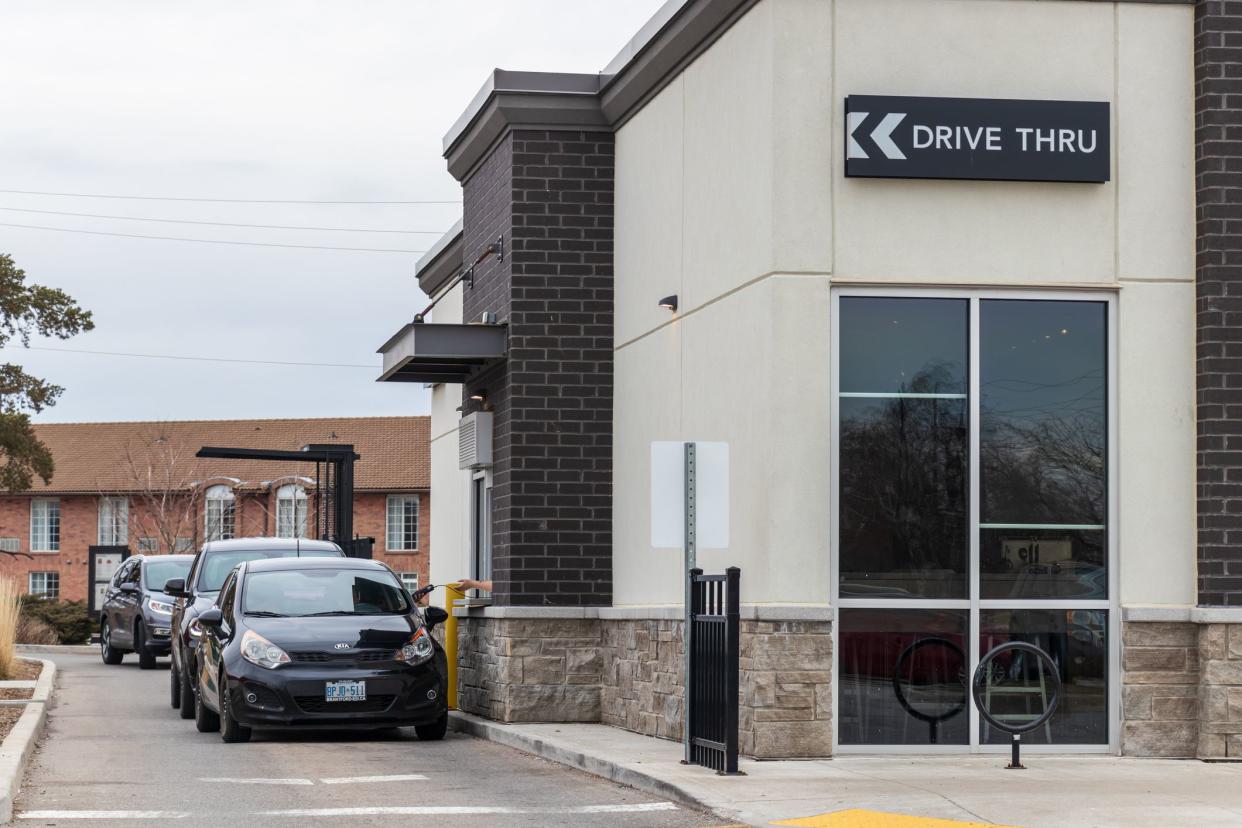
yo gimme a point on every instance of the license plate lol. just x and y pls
(346, 691)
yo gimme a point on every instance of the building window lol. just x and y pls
(972, 448)
(481, 529)
(149, 545)
(402, 533)
(220, 513)
(45, 585)
(184, 546)
(45, 526)
(113, 521)
(10, 544)
(409, 580)
(291, 512)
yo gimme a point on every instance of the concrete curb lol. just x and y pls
(17, 747)
(69, 649)
(594, 764)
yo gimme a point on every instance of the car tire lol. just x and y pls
(174, 686)
(433, 732)
(146, 660)
(187, 693)
(230, 731)
(107, 652)
(205, 721)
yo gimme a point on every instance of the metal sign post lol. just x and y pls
(689, 564)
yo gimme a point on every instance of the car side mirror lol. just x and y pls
(434, 615)
(211, 618)
(175, 587)
(129, 587)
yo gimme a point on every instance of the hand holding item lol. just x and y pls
(470, 583)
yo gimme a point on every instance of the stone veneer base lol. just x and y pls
(619, 668)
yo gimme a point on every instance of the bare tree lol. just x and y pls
(164, 480)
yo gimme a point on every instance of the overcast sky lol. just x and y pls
(235, 99)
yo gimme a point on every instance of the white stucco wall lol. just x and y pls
(731, 194)
(450, 486)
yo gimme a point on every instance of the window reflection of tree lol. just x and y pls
(903, 473)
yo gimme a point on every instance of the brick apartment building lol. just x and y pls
(139, 486)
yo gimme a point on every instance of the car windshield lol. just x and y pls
(158, 573)
(218, 565)
(323, 592)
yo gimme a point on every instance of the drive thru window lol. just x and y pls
(972, 503)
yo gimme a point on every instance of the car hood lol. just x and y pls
(326, 632)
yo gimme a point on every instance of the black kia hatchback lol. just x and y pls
(318, 643)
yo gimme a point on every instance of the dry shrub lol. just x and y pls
(31, 630)
(10, 612)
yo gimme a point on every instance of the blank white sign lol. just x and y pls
(668, 492)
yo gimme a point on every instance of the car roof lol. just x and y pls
(178, 558)
(290, 564)
(241, 544)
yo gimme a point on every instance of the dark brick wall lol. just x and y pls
(1218, 171)
(552, 486)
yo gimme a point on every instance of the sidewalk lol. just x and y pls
(1055, 791)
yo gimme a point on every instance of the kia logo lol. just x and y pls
(342, 646)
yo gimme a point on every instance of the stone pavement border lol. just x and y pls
(17, 747)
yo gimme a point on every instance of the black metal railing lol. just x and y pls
(714, 639)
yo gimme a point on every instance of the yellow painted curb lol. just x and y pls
(858, 818)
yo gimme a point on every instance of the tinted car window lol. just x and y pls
(122, 573)
(324, 592)
(226, 596)
(161, 572)
(216, 566)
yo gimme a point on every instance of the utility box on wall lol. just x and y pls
(474, 441)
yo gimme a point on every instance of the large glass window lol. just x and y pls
(45, 525)
(972, 468)
(1043, 449)
(45, 585)
(903, 448)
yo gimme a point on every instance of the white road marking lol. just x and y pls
(103, 815)
(470, 810)
(394, 810)
(359, 780)
(228, 780)
(638, 807)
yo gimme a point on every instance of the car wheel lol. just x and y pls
(110, 654)
(435, 731)
(146, 660)
(186, 696)
(174, 686)
(230, 730)
(205, 721)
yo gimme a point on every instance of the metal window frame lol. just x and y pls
(974, 603)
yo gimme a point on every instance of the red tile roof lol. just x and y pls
(96, 457)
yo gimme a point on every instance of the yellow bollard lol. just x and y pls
(451, 595)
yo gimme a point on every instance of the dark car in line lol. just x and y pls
(319, 643)
(136, 615)
(198, 590)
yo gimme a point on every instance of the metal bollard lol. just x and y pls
(451, 596)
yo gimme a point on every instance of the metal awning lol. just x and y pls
(428, 352)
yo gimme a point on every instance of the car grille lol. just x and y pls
(361, 657)
(373, 704)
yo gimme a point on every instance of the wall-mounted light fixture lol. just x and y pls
(479, 396)
(669, 303)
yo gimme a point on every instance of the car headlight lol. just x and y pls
(196, 629)
(162, 607)
(258, 650)
(418, 649)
